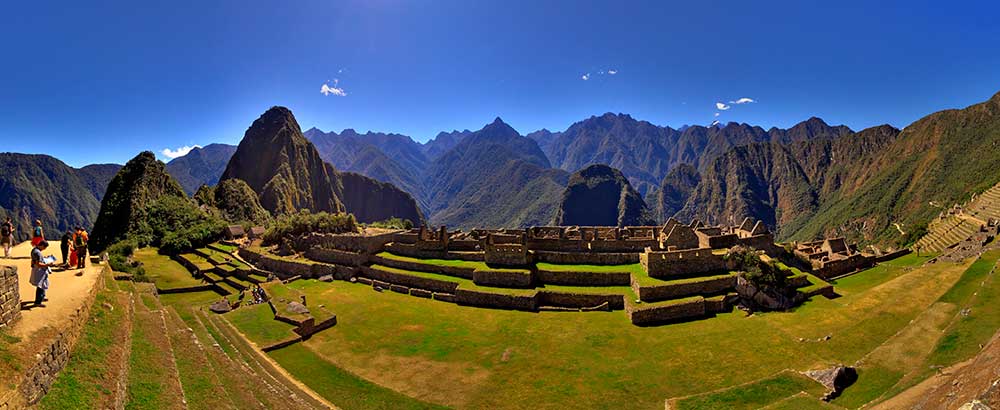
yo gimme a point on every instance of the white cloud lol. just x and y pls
(585, 77)
(179, 152)
(716, 114)
(612, 71)
(721, 106)
(327, 89)
(743, 100)
(714, 123)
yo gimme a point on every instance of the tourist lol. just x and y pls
(7, 236)
(80, 246)
(38, 235)
(64, 245)
(40, 272)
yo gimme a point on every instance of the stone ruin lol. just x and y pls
(833, 257)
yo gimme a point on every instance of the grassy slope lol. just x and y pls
(483, 358)
(165, 272)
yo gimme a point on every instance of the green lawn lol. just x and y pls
(754, 395)
(258, 324)
(346, 390)
(390, 350)
(447, 262)
(165, 272)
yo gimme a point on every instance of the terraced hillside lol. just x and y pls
(958, 225)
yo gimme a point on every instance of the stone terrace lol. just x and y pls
(656, 273)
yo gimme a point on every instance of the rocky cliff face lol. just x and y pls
(599, 195)
(675, 190)
(140, 182)
(284, 168)
(277, 161)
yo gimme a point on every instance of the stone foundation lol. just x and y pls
(672, 312)
(584, 278)
(697, 286)
(502, 278)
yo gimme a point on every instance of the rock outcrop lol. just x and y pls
(143, 180)
(599, 195)
(286, 171)
(201, 166)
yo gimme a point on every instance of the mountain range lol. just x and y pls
(880, 185)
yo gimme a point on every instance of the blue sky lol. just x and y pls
(92, 82)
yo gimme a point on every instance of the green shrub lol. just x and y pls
(177, 225)
(291, 225)
(393, 223)
(120, 259)
(763, 275)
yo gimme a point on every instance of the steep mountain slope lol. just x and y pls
(235, 200)
(645, 153)
(465, 180)
(599, 195)
(391, 158)
(97, 177)
(285, 169)
(443, 142)
(781, 184)
(201, 166)
(675, 190)
(141, 181)
(42, 187)
(940, 159)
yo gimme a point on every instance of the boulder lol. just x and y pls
(221, 306)
(296, 307)
(836, 379)
(326, 278)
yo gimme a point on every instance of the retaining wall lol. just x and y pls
(580, 300)
(502, 278)
(414, 252)
(52, 357)
(10, 297)
(678, 290)
(456, 271)
(584, 278)
(355, 243)
(672, 264)
(434, 285)
(689, 309)
(495, 300)
(336, 256)
(587, 258)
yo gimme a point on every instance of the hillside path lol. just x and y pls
(67, 292)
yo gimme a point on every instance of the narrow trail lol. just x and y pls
(68, 290)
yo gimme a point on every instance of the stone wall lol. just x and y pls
(526, 302)
(337, 256)
(414, 252)
(456, 271)
(580, 300)
(505, 278)
(10, 298)
(587, 258)
(285, 268)
(838, 267)
(434, 285)
(584, 278)
(699, 286)
(672, 312)
(348, 242)
(673, 264)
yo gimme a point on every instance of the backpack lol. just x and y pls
(5, 230)
(79, 240)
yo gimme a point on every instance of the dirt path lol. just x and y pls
(67, 291)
